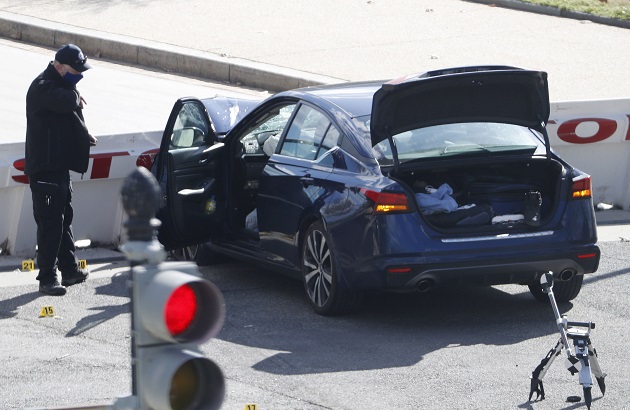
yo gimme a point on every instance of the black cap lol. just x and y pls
(73, 56)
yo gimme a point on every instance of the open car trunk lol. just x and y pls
(489, 197)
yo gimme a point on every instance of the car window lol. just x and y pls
(481, 138)
(310, 135)
(331, 139)
(190, 128)
(264, 134)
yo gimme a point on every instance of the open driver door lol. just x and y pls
(189, 168)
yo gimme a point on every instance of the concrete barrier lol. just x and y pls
(591, 135)
(96, 197)
(595, 137)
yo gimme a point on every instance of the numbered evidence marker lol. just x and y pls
(251, 406)
(28, 265)
(82, 263)
(47, 311)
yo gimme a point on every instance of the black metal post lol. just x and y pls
(140, 194)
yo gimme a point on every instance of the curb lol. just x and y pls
(166, 57)
(554, 11)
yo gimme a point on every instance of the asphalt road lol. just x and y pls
(454, 349)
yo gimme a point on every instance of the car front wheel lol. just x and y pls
(200, 254)
(326, 295)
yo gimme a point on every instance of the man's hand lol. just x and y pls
(82, 103)
(93, 140)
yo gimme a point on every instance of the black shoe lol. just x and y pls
(78, 276)
(53, 289)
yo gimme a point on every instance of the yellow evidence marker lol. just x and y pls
(251, 406)
(28, 265)
(47, 311)
(82, 263)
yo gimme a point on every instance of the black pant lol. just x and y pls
(52, 209)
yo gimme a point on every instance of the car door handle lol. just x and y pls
(205, 189)
(307, 181)
(203, 161)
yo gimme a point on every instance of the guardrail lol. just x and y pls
(591, 135)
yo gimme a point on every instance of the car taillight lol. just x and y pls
(582, 187)
(386, 202)
(587, 255)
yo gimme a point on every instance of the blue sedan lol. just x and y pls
(444, 178)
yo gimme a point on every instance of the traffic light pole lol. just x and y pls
(173, 310)
(140, 195)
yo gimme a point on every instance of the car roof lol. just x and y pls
(224, 111)
(355, 98)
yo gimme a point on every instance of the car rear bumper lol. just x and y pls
(419, 273)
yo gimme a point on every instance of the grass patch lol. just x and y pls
(617, 9)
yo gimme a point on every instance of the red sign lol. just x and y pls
(101, 165)
(606, 128)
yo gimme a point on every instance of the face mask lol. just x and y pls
(72, 78)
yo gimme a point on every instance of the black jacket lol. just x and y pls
(56, 135)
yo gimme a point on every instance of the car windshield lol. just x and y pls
(461, 139)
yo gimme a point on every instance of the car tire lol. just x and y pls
(326, 294)
(200, 254)
(564, 291)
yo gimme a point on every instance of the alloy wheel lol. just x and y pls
(188, 253)
(318, 268)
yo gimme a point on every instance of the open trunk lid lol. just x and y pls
(498, 94)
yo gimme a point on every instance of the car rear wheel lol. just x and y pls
(564, 291)
(325, 293)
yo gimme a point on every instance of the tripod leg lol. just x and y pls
(588, 397)
(597, 371)
(583, 365)
(540, 371)
(584, 368)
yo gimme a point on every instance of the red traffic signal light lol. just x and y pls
(174, 304)
(175, 310)
(181, 309)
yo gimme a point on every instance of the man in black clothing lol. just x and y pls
(57, 142)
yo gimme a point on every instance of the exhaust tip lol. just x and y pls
(424, 285)
(566, 275)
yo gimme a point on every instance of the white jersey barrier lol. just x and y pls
(98, 212)
(591, 135)
(594, 136)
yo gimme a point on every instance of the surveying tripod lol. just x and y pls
(582, 362)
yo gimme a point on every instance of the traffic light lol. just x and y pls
(174, 310)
